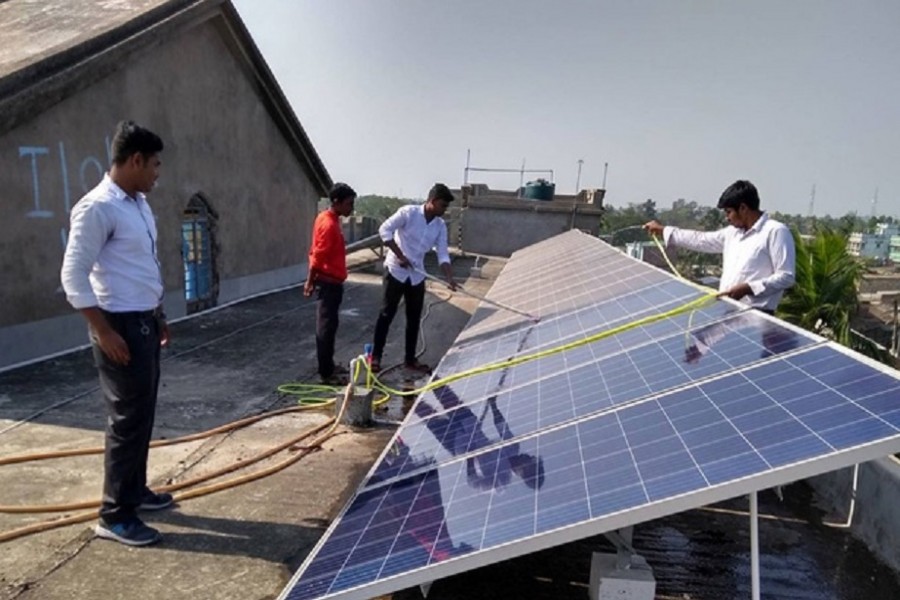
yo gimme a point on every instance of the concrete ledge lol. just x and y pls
(239, 288)
(38, 340)
(877, 519)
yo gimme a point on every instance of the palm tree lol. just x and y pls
(824, 297)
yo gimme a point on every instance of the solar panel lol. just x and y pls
(682, 412)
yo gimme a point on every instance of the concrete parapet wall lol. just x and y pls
(877, 518)
(500, 227)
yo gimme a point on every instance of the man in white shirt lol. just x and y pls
(111, 274)
(757, 251)
(409, 233)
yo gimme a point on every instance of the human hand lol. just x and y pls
(654, 228)
(164, 335)
(308, 287)
(737, 292)
(113, 346)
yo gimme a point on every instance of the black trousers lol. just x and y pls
(414, 296)
(130, 394)
(329, 297)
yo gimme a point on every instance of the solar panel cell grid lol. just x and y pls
(617, 431)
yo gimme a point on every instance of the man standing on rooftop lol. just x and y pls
(111, 274)
(757, 251)
(409, 233)
(327, 273)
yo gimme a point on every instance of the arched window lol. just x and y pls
(198, 251)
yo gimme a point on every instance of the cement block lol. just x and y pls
(609, 582)
(359, 407)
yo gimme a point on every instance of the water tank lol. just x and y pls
(539, 190)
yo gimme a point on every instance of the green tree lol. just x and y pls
(824, 297)
(682, 214)
(624, 224)
(378, 207)
(713, 219)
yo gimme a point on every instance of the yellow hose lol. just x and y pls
(310, 397)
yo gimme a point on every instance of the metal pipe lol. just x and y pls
(466, 170)
(895, 343)
(754, 546)
(486, 170)
(500, 305)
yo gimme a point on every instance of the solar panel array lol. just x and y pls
(688, 410)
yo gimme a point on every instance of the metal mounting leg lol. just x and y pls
(621, 539)
(754, 546)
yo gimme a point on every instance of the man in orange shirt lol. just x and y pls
(327, 272)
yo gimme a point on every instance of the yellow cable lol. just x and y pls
(662, 250)
(327, 399)
(511, 362)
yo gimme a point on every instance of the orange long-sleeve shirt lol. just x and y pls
(327, 255)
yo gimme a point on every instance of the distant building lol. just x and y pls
(499, 222)
(894, 249)
(240, 179)
(875, 245)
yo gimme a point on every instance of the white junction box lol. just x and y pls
(611, 580)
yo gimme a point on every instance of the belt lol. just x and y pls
(155, 313)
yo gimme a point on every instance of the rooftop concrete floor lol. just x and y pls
(245, 542)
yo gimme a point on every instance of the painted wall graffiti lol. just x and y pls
(45, 203)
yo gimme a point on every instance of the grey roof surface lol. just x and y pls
(53, 49)
(33, 30)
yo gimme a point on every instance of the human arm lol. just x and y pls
(443, 254)
(393, 247)
(89, 231)
(711, 242)
(388, 228)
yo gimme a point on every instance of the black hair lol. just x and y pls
(439, 191)
(740, 192)
(131, 138)
(340, 192)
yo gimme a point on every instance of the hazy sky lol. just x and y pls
(680, 98)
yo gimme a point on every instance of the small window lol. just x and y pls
(198, 251)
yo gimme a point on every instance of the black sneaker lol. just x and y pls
(340, 370)
(159, 501)
(418, 367)
(132, 532)
(335, 380)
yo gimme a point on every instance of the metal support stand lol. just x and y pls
(754, 546)
(623, 576)
(621, 539)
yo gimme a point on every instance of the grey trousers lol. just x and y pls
(130, 394)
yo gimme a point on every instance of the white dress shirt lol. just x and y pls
(415, 236)
(762, 256)
(110, 260)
